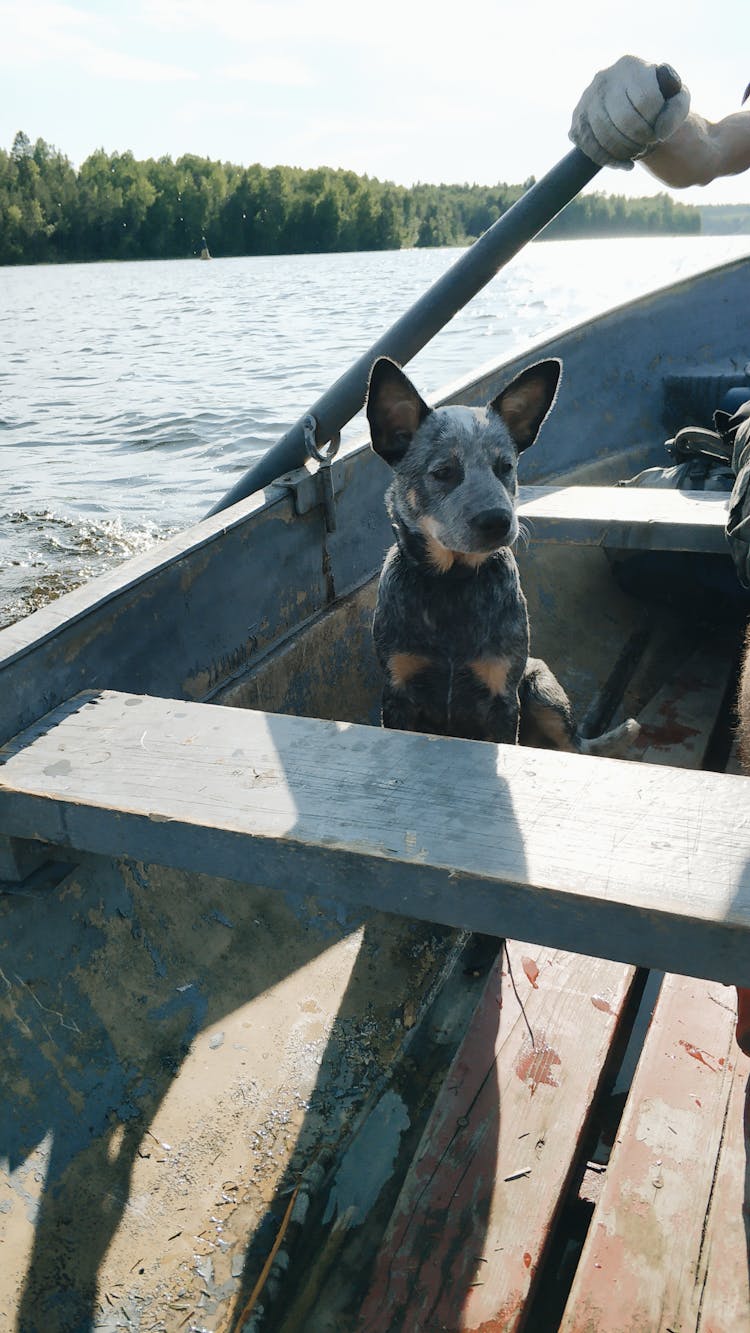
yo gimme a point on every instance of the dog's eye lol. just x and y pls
(502, 468)
(446, 472)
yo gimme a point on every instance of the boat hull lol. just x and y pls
(192, 1059)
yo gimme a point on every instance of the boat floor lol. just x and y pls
(228, 1100)
(556, 1184)
(480, 1149)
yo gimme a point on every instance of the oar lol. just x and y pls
(475, 268)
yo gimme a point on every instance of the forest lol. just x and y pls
(116, 207)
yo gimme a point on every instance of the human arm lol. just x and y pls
(701, 151)
(623, 114)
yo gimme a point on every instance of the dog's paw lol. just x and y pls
(613, 744)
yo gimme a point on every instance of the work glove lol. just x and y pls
(623, 113)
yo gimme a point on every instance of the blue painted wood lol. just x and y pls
(632, 862)
(638, 518)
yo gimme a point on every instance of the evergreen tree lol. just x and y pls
(116, 207)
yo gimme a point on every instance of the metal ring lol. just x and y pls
(326, 455)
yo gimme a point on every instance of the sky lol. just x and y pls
(404, 90)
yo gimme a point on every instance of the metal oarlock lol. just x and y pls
(324, 458)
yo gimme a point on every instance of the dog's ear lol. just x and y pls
(528, 398)
(395, 410)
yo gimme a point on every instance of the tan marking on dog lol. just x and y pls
(411, 497)
(402, 667)
(399, 413)
(492, 672)
(438, 555)
(441, 557)
(473, 559)
(545, 729)
(522, 405)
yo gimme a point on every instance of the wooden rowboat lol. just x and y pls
(263, 1064)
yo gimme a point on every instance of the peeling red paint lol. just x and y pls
(531, 970)
(699, 1055)
(662, 735)
(536, 1067)
(506, 1319)
(527, 1259)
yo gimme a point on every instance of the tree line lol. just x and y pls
(116, 207)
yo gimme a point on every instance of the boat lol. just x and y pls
(266, 1061)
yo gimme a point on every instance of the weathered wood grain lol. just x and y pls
(669, 1227)
(677, 723)
(502, 1096)
(677, 726)
(627, 518)
(628, 861)
(472, 1221)
(726, 1296)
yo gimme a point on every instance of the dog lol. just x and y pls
(451, 627)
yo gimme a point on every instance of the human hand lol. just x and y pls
(624, 112)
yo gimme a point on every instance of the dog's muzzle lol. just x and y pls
(492, 527)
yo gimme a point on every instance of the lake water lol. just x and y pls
(133, 395)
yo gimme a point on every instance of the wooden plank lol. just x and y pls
(626, 517)
(677, 722)
(629, 861)
(661, 1222)
(726, 1296)
(676, 728)
(499, 1149)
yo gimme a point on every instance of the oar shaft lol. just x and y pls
(475, 268)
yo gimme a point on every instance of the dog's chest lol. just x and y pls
(454, 646)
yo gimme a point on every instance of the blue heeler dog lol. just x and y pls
(451, 627)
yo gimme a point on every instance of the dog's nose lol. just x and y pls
(492, 524)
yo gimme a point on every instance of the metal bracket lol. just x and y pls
(311, 490)
(324, 477)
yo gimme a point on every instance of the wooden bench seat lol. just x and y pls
(209, 787)
(627, 517)
(634, 862)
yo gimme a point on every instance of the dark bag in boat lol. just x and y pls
(704, 460)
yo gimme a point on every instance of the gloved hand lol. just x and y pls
(623, 113)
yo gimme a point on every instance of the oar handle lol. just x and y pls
(669, 81)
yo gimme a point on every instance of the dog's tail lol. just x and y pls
(613, 743)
